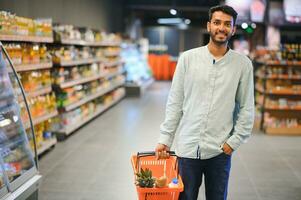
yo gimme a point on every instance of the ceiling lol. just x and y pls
(148, 11)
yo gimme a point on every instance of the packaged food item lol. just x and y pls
(174, 183)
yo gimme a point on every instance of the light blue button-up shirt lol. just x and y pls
(202, 101)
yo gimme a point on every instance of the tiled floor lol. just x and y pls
(94, 163)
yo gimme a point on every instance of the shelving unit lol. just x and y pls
(37, 66)
(40, 119)
(71, 128)
(46, 145)
(21, 38)
(77, 94)
(72, 63)
(278, 97)
(91, 97)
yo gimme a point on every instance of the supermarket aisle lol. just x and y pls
(94, 163)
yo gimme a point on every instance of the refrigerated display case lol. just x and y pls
(19, 176)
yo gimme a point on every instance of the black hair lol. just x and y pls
(225, 9)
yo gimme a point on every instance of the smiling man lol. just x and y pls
(211, 107)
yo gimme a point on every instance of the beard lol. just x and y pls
(215, 37)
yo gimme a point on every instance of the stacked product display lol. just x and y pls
(139, 75)
(278, 90)
(62, 68)
(26, 43)
(88, 75)
(15, 28)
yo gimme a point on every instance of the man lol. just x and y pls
(208, 84)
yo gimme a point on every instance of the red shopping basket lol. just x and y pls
(148, 160)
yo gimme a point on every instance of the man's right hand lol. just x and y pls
(161, 151)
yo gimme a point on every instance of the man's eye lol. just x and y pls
(228, 25)
(215, 23)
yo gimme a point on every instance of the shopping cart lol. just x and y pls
(168, 166)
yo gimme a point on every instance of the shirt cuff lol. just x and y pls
(234, 142)
(166, 140)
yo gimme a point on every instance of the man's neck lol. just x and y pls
(217, 51)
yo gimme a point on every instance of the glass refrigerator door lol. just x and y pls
(17, 160)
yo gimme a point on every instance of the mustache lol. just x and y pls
(222, 32)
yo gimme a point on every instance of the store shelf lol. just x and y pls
(21, 38)
(283, 77)
(283, 131)
(277, 108)
(112, 54)
(28, 67)
(47, 144)
(278, 92)
(108, 44)
(78, 62)
(40, 119)
(91, 97)
(85, 43)
(80, 81)
(112, 64)
(69, 129)
(39, 92)
(110, 75)
(282, 63)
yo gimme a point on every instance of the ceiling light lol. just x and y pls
(244, 25)
(173, 11)
(187, 21)
(170, 20)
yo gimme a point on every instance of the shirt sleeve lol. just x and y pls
(245, 119)
(174, 105)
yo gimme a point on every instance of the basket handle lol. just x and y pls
(153, 153)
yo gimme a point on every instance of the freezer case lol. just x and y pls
(18, 172)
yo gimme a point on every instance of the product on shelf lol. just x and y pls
(35, 80)
(274, 122)
(285, 54)
(63, 74)
(39, 106)
(73, 94)
(89, 109)
(11, 24)
(69, 32)
(22, 53)
(278, 89)
(44, 131)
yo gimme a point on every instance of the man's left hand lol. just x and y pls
(227, 149)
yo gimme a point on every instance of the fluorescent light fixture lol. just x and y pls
(244, 25)
(170, 20)
(173, 11)
(187, 21)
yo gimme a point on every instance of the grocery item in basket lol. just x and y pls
(161, 182)
(145, 179)
(174, 183)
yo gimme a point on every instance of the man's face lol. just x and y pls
(221, 27)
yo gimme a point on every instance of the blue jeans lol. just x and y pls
(216, 171)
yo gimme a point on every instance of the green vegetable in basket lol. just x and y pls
(145, 179)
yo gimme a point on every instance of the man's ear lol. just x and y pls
(208, 26)
(234, 30)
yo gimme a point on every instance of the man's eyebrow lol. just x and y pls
(219, 20)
